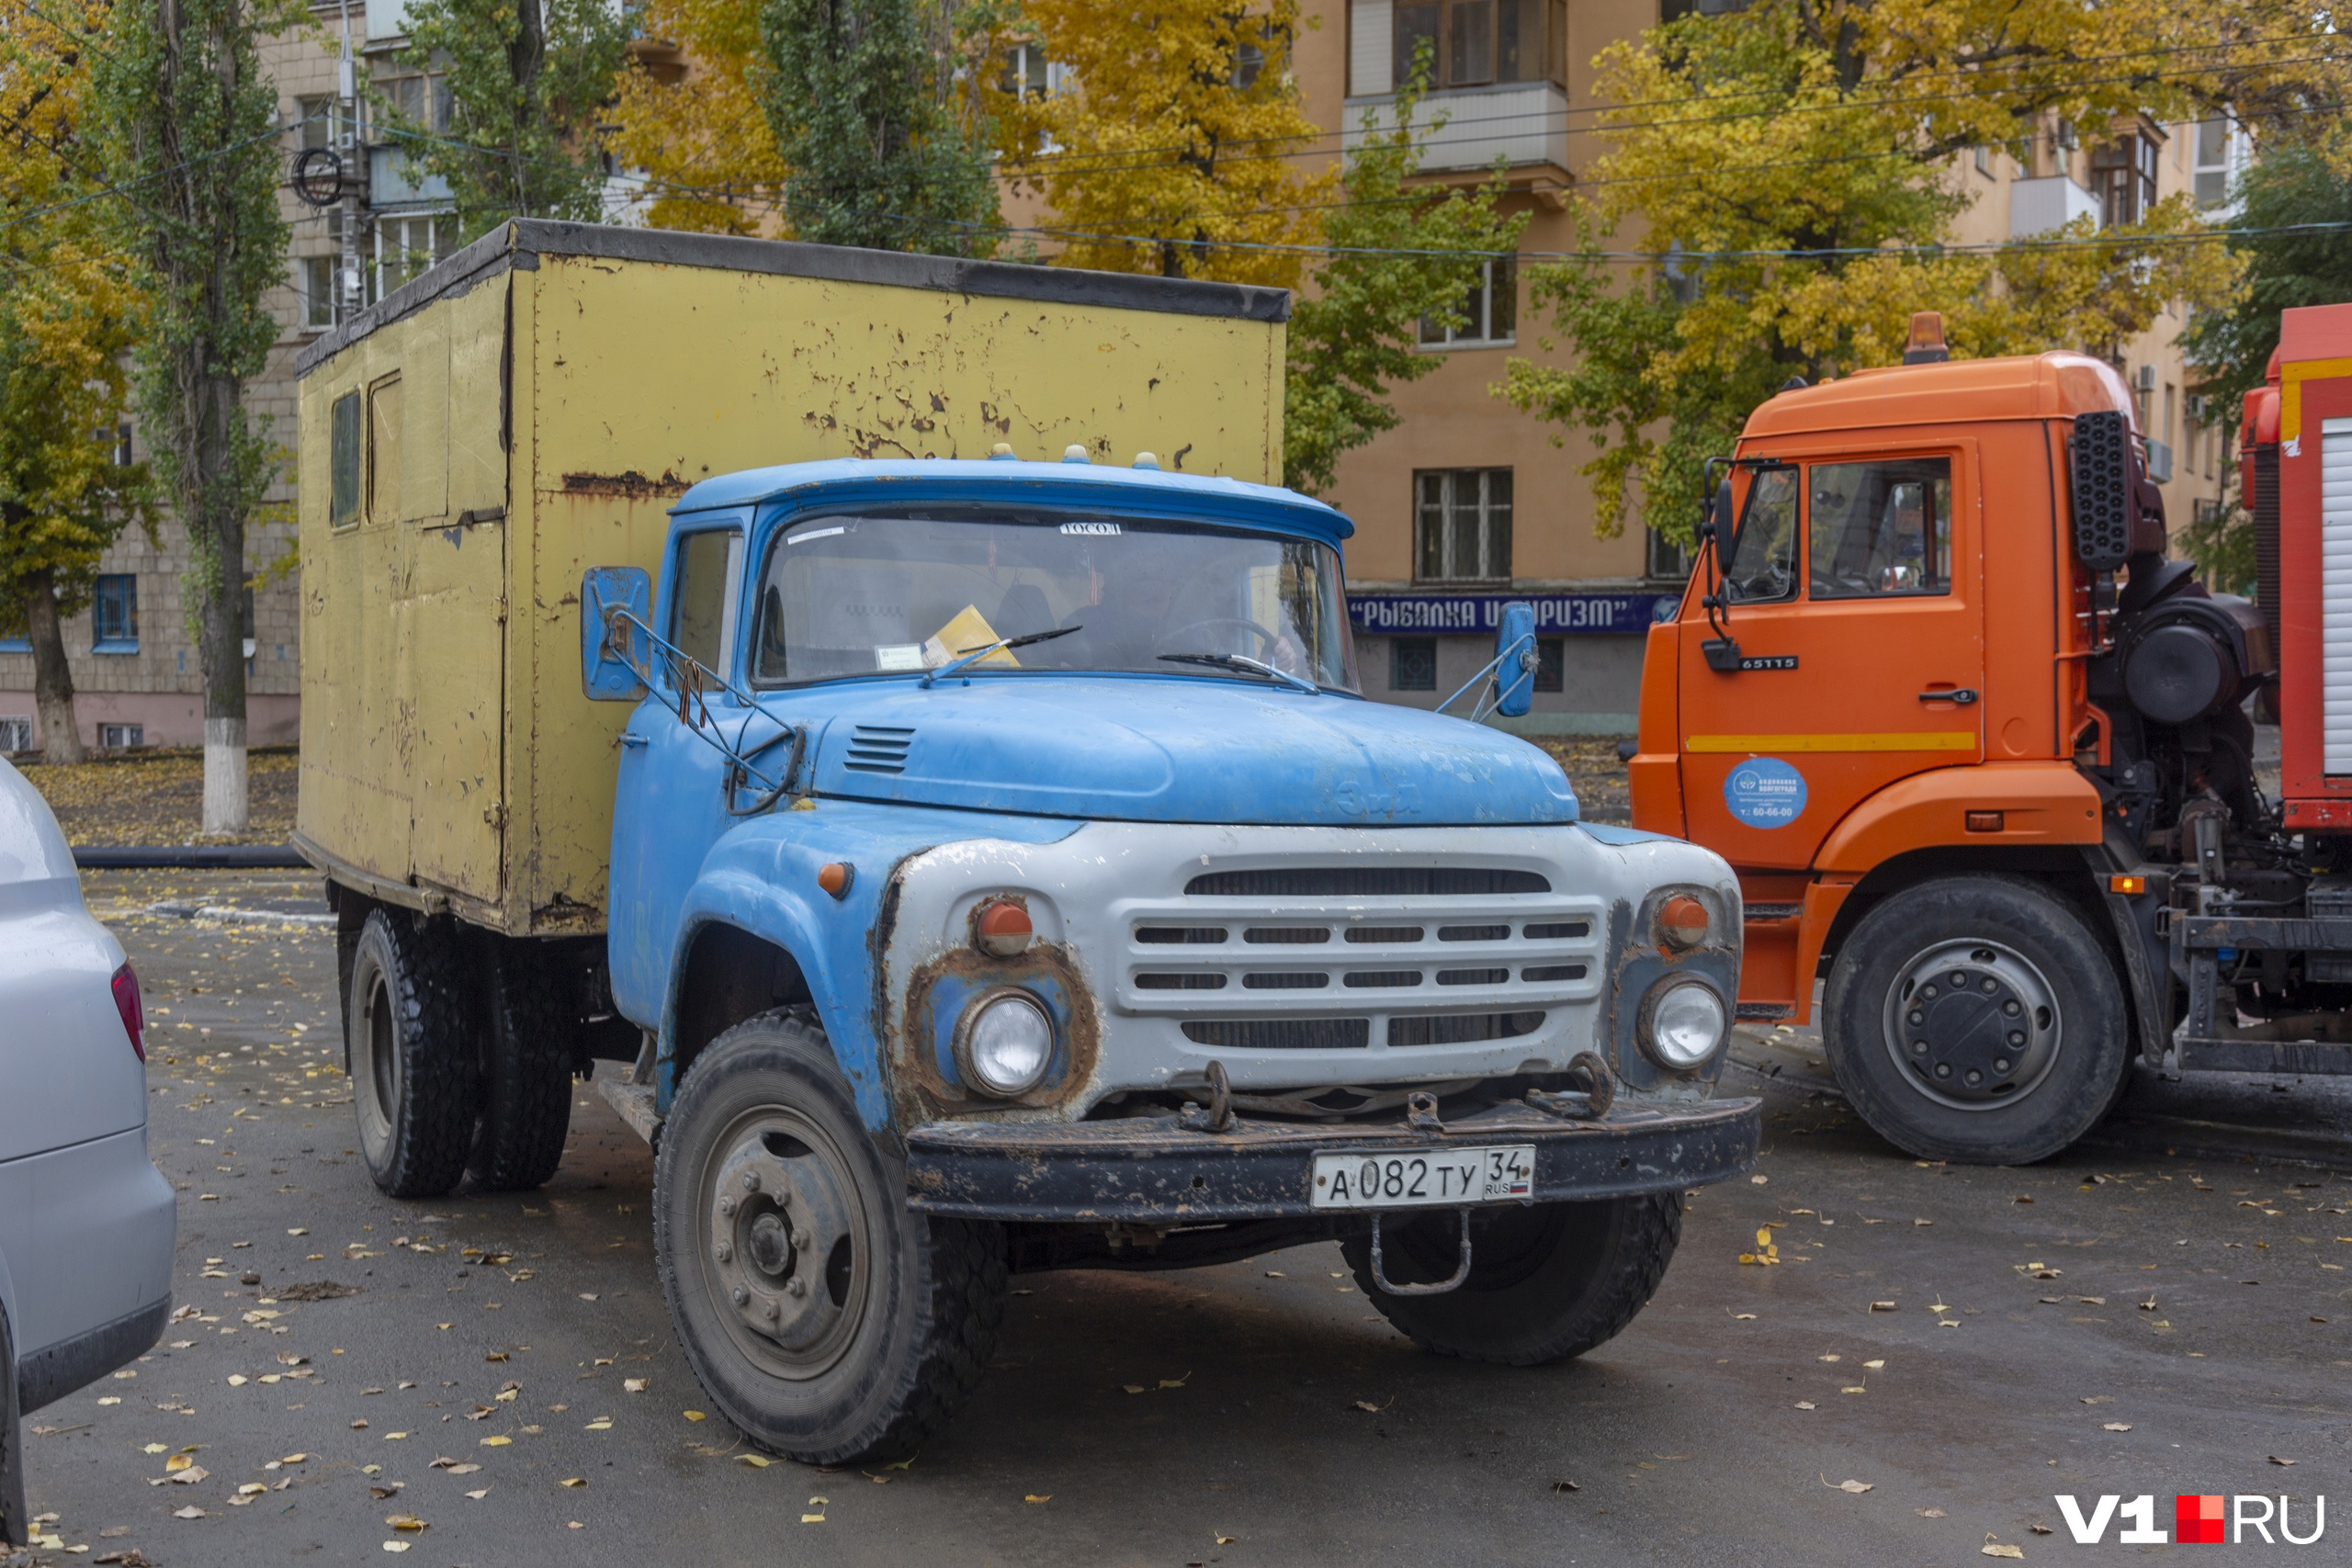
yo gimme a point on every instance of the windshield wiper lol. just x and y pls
(973, 656)
(1237, 662)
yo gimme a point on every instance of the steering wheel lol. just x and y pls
(1269, 640)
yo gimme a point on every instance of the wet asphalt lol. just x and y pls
(2166, 1309)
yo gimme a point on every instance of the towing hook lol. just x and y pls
(1219, 1118)
(1421, 1112)
(1593, 1104)
(1461, 1270)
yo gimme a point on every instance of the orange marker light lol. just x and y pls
(1003, 928)
(1682, 922)
(2127, 885)
(835, 878)
(1986, 821)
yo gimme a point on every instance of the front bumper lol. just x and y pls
(1149, 1171)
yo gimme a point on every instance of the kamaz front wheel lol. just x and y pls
(823, 1317)
(1976, 1019)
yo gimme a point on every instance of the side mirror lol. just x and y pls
(1723, 526)
(1516, 659)
(605, 676)
(2102, 492)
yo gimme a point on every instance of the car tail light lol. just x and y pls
(134, 1013)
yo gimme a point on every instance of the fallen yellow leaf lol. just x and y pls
(496, 1442)
(1995, 1547)
(694, 1416)
(757, 1461)
(1034, 1497)
(576, 1480)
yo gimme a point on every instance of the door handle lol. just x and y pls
(1963, 695)
(632, 740)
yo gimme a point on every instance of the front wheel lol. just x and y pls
(1976, 1019)
(1546, 1281)
(823, 1317)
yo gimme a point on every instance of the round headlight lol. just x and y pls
(1683, 1025)
(1005, 1044)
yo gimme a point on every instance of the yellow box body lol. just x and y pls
(533, 406)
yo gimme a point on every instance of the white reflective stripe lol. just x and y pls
(727, 605)
(2335, 592)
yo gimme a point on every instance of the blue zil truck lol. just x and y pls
(1006, 874)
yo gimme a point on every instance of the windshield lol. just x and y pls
(877, 593)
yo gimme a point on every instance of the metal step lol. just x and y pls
(634, 1104)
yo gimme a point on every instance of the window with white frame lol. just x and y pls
(2210, 174)
(1462, 524)
(316, 284)
(407, 245)
(1490, 310)
(1028, 73)
(1474, 43)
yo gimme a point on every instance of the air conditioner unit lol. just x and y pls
(2146, 379)
(2196, 405)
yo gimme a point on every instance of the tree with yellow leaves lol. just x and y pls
(689, 114)
(65, 320)
(1789, 168)
(1175, 143)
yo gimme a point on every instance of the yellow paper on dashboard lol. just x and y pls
(967, 632)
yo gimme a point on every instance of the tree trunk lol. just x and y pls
(61, 732)
(221, 625)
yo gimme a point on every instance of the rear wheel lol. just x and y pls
(822, 1316)
(525, 1072)
(1546, 1281)
(413, 1077)
(1976, 1019)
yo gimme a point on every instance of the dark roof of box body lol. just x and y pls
(519, 242)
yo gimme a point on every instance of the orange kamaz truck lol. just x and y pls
(1981, 753)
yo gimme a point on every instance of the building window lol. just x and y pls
(318, 291)
(1462, 524)
(1551, 663)
(1412, 664)
(406, 246)
(1668, 562)
(314, 122)
(2123, 179)
(342, 461)
(421, 103)
(114, 614)
(1490, 310)
(1475, 42)
(16, 733)
(121, 736)
(2212, 175)
(122, 446)
(1027, 74)
(1984, 162)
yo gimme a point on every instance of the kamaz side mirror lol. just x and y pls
(2103, 492)
(606, 675)
(1723, 526)
(1516, 658)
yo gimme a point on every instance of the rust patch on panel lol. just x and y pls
(929, 1095)
(629, 483)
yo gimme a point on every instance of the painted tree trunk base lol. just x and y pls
(224, 776)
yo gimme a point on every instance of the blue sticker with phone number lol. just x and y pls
(1764, 792)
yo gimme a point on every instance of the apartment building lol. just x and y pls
(136, 676)
(1468, 504)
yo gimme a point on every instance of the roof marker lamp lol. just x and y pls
(1003, 1044)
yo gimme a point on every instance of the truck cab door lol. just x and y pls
(1855, 594)
(669, 806)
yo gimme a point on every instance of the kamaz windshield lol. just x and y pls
(878, 593)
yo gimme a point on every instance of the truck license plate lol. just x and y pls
(1436, 1175)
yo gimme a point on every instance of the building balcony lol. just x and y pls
(1524, 123)
(2036, 207)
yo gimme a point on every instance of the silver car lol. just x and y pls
(86, 1220)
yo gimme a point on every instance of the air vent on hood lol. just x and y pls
(878, 749)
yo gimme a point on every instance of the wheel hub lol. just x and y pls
(785, 1244)
(1973, 1024)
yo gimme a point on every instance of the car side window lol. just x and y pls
(702, 611)
(1763, 563)
(1880, 529)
